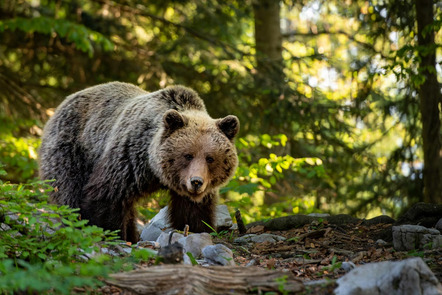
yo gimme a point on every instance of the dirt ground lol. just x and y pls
(316, 252)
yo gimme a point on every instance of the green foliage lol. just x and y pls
(18, 153)
(282, 281)
(214, 232)
(346, 100)
(143, 254)
(259, 175)
(192, 259)
(82, 37)
(46, 248)
(333, 266)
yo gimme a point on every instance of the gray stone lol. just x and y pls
(146, 244)
(252, 263)
(431, 242)
(439, 225)
(348, 266)
(381, 242)
(194, 243)
(163, 239)
(410, 276)
(222, 217)
(160, 223)
(156, 226)
(253, 238)
(139, 225)
(408, 237)
(218, 255)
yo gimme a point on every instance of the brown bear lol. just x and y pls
(109, 145)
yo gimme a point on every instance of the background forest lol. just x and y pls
(339, 101)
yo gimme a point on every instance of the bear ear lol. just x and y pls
(229, 126)
(173, 121)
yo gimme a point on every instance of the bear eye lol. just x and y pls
(209, 160)
(188, 157)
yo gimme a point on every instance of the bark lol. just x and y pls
(268, 40)
(430, 100)
(187, 279)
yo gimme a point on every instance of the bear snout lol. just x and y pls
(196, 185)
(196, 182)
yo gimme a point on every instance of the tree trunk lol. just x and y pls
(187, 279)
(268, 40)
(430, 99)
(269, 77)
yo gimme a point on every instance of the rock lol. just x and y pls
(163, 239)
(194, 243)
(139, 225)
(431, 241)
(218, 255)
(147, 244)
(172, 253)
(156, 226)
(252, 238)
(410, 276)
(160, 223)
(222, 217)
(117, 250)
(252, 263)
(423, 214)
(234, 227)
(439, 225)
(408, 237)
(348, 266)
(381, 242)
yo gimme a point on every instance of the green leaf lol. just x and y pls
(192, 259)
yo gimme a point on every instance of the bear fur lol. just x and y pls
(109, 145)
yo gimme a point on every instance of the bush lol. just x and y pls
(18, 149)
(257, 176)
(43, 247)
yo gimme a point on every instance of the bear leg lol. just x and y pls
(129, 230)
(184, 211)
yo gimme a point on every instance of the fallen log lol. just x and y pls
(187, 279)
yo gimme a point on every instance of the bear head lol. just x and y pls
(195, 154)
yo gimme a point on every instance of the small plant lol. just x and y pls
(333, 266)
(294, 239)
(192, 259)
(416, 253)
(282, 281)
(214, 233)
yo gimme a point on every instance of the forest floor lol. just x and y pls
(316, 252)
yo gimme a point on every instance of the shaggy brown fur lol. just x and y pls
(109, 145)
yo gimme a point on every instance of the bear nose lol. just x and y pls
(196, 182)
